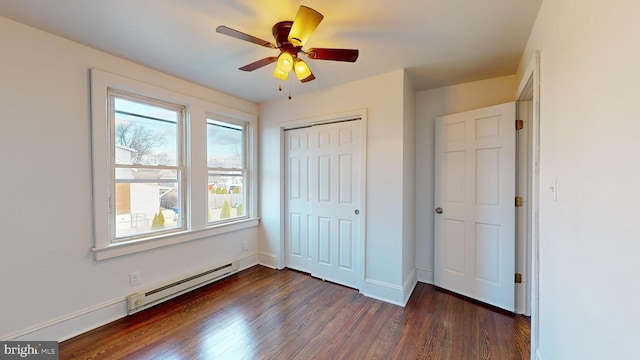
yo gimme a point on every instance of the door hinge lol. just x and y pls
(518, 201)
(518, 278)
(519, 124)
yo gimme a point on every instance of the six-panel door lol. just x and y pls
(323, 198)
(475, 188)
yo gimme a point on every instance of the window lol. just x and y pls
(226, 170)
(167, 167)
(147, 165)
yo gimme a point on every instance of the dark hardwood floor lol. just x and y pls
(262, 313)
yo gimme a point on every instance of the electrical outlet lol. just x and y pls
(245, 245)
(135, 278)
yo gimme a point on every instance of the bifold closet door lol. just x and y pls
(323, 177)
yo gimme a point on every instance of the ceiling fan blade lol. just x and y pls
(350, 55)
(242, 36)
(304, 24)
(260, 63)
(307, 79)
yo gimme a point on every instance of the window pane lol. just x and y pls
(145, 134)
(225, 146)
(226, 195)
(146, 204)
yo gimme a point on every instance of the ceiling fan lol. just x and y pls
(290, 37)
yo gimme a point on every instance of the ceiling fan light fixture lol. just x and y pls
(306, 21)
(302, 71)
(285, 62)
(290, 37)
(278, 74)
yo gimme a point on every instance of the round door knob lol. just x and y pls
(439, 210)
(357, 212)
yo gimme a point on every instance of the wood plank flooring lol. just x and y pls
(261, 313)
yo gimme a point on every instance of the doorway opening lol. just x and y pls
(528, 186)
(524, 113)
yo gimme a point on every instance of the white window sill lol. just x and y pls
(126, 248)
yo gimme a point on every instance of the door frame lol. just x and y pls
(321, 120)
(530, 81)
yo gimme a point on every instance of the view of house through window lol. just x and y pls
(147, 165)
(226, 163)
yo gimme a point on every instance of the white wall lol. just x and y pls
(431, 104)
(383, 98)
(589, 237)
(52, 288)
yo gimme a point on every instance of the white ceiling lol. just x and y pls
(439, 42)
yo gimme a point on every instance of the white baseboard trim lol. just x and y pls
(408, 287)
(397, 295)
(247, 262)
(383, 291)
(268, 260)
(76, 323)
(425, 275)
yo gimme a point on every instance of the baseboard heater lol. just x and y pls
(150, 297)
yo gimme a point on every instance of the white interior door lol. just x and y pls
(298, 147)
(323, 201)
(474, 197)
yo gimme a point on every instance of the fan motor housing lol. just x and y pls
(281, 35)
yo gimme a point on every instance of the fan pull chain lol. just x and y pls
(289, 90)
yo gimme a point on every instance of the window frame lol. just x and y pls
(195, 174)
(180, 166)
(244, 169)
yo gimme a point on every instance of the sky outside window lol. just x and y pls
(224, 145)
(150, 130)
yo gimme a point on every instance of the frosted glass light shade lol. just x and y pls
(302, 70)
(279, 74)
(285, 62)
